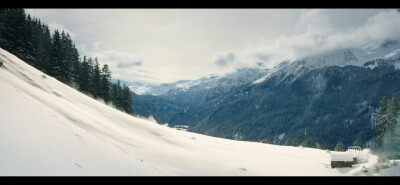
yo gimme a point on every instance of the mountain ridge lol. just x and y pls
(311, 80)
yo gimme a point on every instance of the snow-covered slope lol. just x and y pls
(48, 128)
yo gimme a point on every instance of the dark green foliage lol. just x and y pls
(116, 94)
(105, 83)
(294, 142)
(288, 142)
(387, 141)
(266, 141)
(121, 97)
(339, 147)
(84, 81)
(96, 79)
(358, 142)
(308, 142)
(126, 104)
(383, 120)
(56, 55)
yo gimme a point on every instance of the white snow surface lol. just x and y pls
(48, 128)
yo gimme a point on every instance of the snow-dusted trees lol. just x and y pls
(387, 141)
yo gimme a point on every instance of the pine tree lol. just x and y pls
(396, 138)
(308, 142)
(393, 111)
(96, 79)
(127, 104)
(288, 142)
(313, 144)
(29, 41)
(339, 147)
(358, 142)
(105, 83)
(116, 94)
(84, 76)
(382, 123)
(265, 141)
(68, 57)
(56, 57)
(44, 51)
(294, 143)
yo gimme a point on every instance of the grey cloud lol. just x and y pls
(129, 64)
(226, 59)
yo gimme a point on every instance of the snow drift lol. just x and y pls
(48, 128)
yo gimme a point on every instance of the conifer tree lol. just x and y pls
(358, 142)
(294, 143)
(84, 77)
(393, 111)
(96, 79)
(105, 83)
(127, 104)
(116, 94)
(339, 147)
(56, 57)
(288, 142)
(45, 50)
(383, 122)
(308, 142)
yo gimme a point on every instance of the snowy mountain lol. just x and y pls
(330, 96)
(207, 88)
(338, 57)
(141, 88)
(48, 128)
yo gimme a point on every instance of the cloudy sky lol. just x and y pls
(166, 45)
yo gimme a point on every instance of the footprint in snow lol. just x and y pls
(243, 169)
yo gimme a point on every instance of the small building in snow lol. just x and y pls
(345, 159)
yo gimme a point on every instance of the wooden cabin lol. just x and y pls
(345, 159)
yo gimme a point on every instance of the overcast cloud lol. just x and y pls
(166, 45)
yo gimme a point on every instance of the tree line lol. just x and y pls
(56, 55)
(387, 141)
(309, 142)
